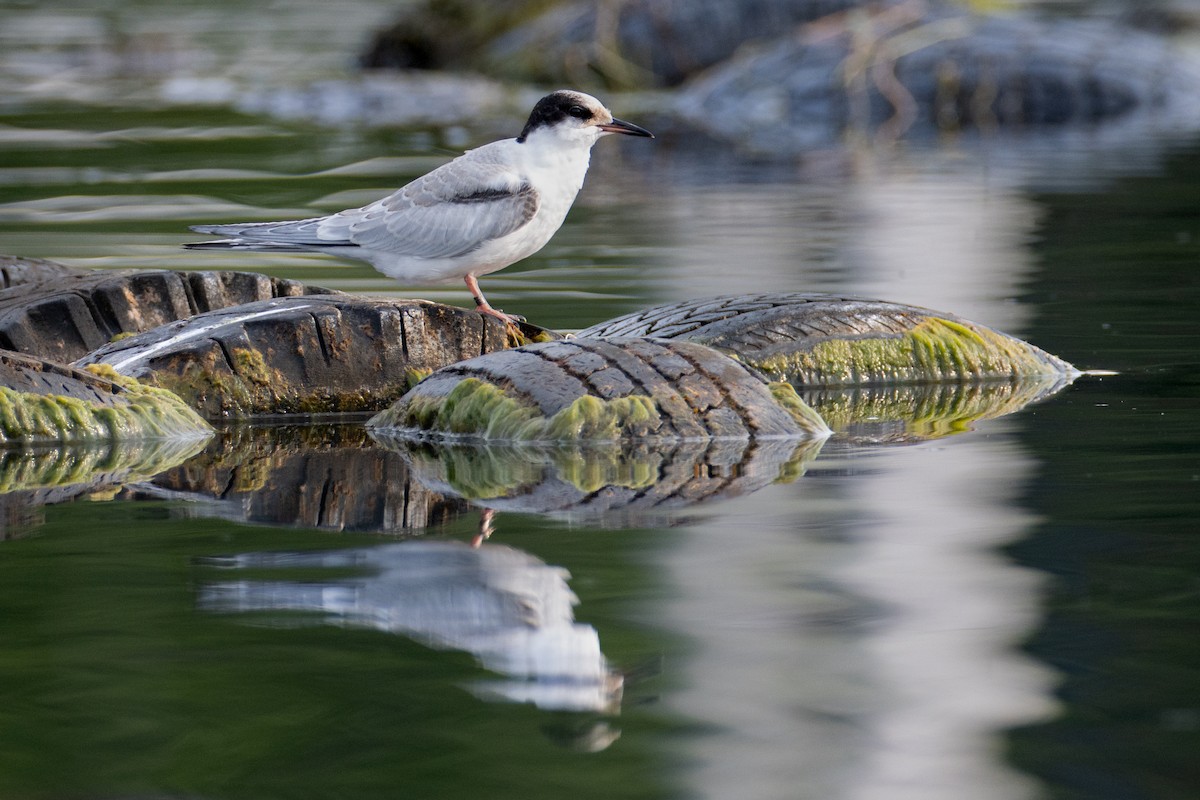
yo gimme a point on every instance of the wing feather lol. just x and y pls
(452, 211)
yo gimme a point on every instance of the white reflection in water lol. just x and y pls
(507, 608)
(946, 236)
(859, 639)
(734, 239)
(945, 659)
(948, 241)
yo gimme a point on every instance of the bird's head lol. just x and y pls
(577, 117)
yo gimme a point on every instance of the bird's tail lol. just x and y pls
(290, 236)
(245, 244)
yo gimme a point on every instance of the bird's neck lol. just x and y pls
(563, 161)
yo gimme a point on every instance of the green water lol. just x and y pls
(115, 684)
(1005, 612)
(1119, 494)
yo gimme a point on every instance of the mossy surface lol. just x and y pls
(216, 392)
(484, 471)
(413, 376)
(208, 384)
(481, 409)
(930, 411)
(515, 337)
(252, 367)
(569, 476)
(805, 416)
(936, 349)
(139, 412)
(99, 463)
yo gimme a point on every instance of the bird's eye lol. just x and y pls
(579, 112)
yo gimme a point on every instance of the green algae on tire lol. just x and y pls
(89, 466)
(914, 412)
(614, 483)
(934, 349)
(601, 390)
(328, 475)
(304, 355)
(823, 340)
(477, 407)
(45, 402)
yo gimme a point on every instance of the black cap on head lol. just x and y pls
(558, 106)
(555, 107)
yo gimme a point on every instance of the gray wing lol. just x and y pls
(449, 212)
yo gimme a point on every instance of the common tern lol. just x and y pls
(487, 209)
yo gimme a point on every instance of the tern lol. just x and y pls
(487, 209)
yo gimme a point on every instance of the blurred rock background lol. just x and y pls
(768, 75)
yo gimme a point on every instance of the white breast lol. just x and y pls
(557, 172)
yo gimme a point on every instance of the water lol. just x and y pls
(1005, 612)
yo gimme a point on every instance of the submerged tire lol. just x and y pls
(327, 477)
(303, 355)
(823, 340)
(69, 316)
(615, 484)
(915, 412)
(17, 271)
(598, 389)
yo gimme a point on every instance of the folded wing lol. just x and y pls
(450, 212)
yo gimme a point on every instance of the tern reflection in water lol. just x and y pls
(511, 611)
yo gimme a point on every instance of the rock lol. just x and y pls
(601, 390)
(41, 401)
(65, 318)
(614, 484)
(304, 355)
(322, 476)
(822, 340)
(627, 44)
(446, 34)
(32, 477)
(908, 71)
(803, 71)
(637, 44)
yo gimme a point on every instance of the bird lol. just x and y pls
(481, 212)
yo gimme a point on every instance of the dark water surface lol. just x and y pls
(1005, 612)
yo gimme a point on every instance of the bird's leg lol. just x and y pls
(483, 307)
(486, 527)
